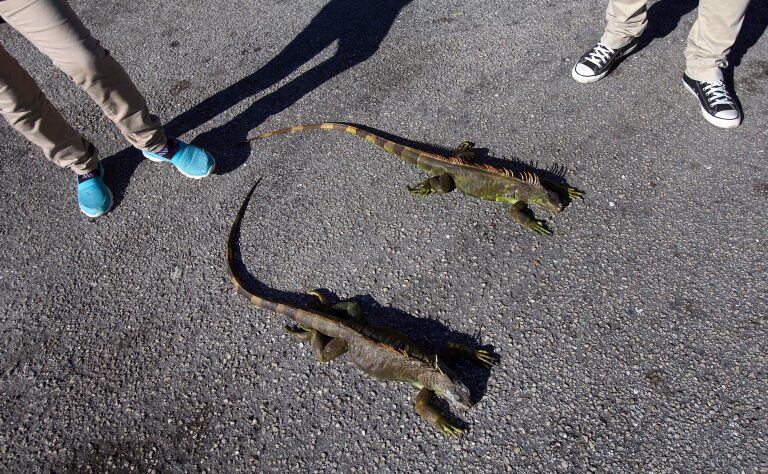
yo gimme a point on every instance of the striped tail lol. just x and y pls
(411, 155)
(257, 300)
(305, 318)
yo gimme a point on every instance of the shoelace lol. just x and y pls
(717, 94)
(600, 54)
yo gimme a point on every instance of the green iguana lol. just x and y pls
(459, 172)
(333, 330)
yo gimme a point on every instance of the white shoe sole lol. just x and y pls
(590, 79)
(210, 171)
(716, 121)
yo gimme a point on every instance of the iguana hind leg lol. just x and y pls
(439, 184)
(346, 309)
(521, 214)
(454, 350)
(325, 348)
(430, 414)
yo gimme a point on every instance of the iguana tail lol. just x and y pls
(259, 301)
(408, 154)
(305, 318)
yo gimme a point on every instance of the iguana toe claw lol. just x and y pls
(319, 297)
(450, 429)
(486, 358)
(574, 193)
(294, 329)
(540, 227)
(465, 145)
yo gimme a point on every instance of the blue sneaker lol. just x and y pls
(93, 196)
(192, 161)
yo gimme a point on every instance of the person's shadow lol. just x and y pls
(755, 24)
(663, 18)
(359, 27)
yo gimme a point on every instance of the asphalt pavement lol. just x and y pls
(632, 340)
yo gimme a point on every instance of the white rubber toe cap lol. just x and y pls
(583, 70)
(728, 115)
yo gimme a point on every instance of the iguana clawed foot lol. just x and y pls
(464, 151)
(486, 358)
(522, 216)
(298, 332)
(320, 298)
(447, 427)
(429, 413)
(539, 227)
(346, 309)
(480, 356)
(574, 193)
(566, 192)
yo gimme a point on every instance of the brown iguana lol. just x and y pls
(385, 354)
(459, 172)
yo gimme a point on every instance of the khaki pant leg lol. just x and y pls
(25, 107)
(54, 28)
(626, 20)
(712, 36)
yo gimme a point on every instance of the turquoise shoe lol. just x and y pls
(93, 196)
(192, 161)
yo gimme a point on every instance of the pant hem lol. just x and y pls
(704, 75)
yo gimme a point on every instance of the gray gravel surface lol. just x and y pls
(632, 340)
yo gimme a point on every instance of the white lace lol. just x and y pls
(600, 54)
(717, 94)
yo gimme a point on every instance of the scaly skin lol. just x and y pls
(383, 353)
(459, 173)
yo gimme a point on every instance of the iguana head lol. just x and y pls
(446, 386)
(533, 192)
(545, 199)
(457, 394)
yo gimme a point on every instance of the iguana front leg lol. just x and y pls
(430, 414)
(440, 184)
(521, 215)
(454, 350)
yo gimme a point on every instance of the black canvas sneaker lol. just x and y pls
(598, 61)
(717, 105)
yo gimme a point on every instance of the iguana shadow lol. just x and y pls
(555, 172)
(357, 26)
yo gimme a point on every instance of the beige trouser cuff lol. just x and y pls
(709, 41)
